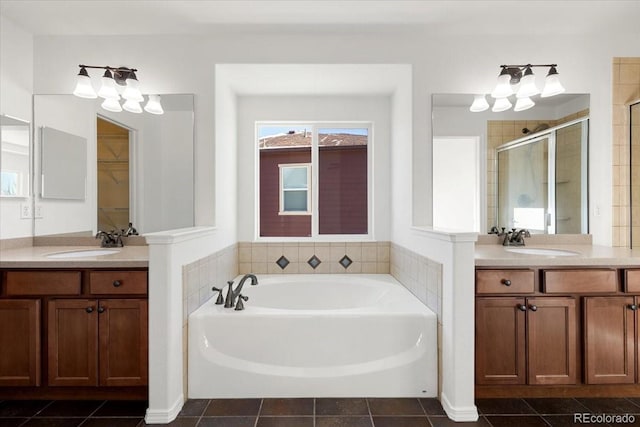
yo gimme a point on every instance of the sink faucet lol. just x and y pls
(232, 294)
(112, 239)
(515, 237)
(130, 231)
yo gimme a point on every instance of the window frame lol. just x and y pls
(308, 189)
(315, 236)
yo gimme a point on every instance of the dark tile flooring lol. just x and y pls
(314, 412)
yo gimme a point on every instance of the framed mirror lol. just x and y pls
(139, 167)
(15, 155)
(496, 132)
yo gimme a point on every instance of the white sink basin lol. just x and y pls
(541, 251)
(83, 253)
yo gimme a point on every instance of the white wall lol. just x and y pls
(16, 87)
(375, 109)
(459, 64)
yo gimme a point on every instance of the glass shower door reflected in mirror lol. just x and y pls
(634, 138)
(522, 186)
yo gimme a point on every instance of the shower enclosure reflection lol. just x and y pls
(542, 180)
(634, 138)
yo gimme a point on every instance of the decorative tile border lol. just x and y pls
(313, 258)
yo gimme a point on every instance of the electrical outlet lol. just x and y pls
(38, 212)
(25, 211)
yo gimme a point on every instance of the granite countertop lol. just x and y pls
(489, 255)
(36, 257)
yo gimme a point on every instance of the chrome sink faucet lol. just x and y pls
(233, 294)
(515, 237)
(112, 239)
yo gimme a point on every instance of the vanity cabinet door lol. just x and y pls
(609, 339)
(73, 342)
(551, 340)
(500, 340)
(123, 342)
(20, 342)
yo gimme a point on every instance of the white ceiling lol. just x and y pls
(512, 17)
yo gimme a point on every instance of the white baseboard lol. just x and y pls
(164, 416)
(459, 414)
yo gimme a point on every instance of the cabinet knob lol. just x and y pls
(89, 309)
(522, 307)
(633, 307)
(506, 282)
(533, 307)
(117, 283)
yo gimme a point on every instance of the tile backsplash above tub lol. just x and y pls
(313, 258)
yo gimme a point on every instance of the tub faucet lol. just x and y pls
(232, 294)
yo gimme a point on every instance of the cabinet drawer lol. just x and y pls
(632, 280)
(571, 281)
(505, 281)
(43, 283)
(118, 282)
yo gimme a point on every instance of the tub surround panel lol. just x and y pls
(420, 275)
(313, 258)
(200, 276)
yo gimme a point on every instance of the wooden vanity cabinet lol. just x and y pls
(82, 329)
(526, 340)
(97, 342)
(20, 342)
(611, 325)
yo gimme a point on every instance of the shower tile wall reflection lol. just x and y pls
(625, 89)
(500, 132)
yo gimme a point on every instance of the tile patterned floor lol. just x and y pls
(313, 413)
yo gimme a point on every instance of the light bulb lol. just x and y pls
(108, 88)
(503, 87)
(523, 104)
(84, 88)
(153, 105)
(479, 104)
(132, 106)
(501, 104)
(528, 86)
(111, 104)
(132, 91)
(552, 84)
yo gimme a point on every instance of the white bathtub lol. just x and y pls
(315, 336)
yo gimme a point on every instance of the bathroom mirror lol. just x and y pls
(451, 118)
(15, 157)
(148, 181)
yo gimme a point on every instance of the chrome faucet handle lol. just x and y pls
(240, 304)
(219, 300)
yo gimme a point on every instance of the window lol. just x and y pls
(314, 180)
(295, 197)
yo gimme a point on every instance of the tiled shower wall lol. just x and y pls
(626, 89)
(300, 258)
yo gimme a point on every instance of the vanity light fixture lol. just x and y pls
(117, 83)
(479, 103)
(520, 79)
